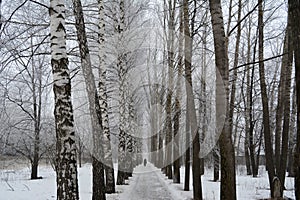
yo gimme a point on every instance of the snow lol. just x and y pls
(147, 183)
(247, 186)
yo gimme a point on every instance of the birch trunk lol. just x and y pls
(122, 101)
(66, 169)
(177, 114)
(170, 55)
(98, 173)
(109, 170)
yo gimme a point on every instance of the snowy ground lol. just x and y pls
(147, 183)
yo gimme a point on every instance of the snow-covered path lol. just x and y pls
(146, 184)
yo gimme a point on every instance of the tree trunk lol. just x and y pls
(177, 114)
(293, 130)
(247, 155)
(170, 54)
(122, 134)
(35, 161)
(247, 104)
(187, 114)
(266, 113)
(216, 161)
(235, 70)
(254, 164)
(121, 64)
(37, 101)
(197, 187)
(287, 62)
(176, 157)
(66, 171)
(93, 102)
(187, 153)
(203, 102)
(109, 169)
(294, 13)
(228, 179)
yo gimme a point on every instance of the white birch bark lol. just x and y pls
(109, 171)
(122, 100)
(67, 183)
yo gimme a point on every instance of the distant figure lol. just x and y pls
(145, 162)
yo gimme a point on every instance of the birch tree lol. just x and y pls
(109, 170)
(122, 99)
(66, 172)
(177, 113)
(94, 108)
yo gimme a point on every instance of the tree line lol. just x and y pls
(223, 77)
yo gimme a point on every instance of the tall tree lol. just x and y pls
(294, 10)
(266, 119)
(37, 106)
(191, 110)
(286, 76)
(187, 124)
(177, 114)
(235, 69)
(168, 107)
(228, 179)
(109, 170)
(97, 154)
(121, 65)
(66, 172)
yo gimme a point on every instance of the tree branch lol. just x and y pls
(256, 62)
(230, 32)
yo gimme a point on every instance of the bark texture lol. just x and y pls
(265, 104)
(294, 13)
(66, 169)
(98, 179)
(109, 170)
(122, 101)
(192, 123)
(228, 178)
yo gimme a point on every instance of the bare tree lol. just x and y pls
(294, 13)
(285, 86)
(192, 123)
(228, 179)
(265, 104)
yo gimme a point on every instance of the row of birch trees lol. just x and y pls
(223, 77)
